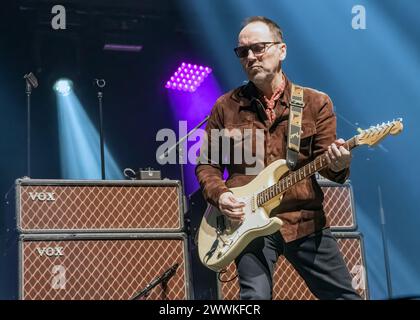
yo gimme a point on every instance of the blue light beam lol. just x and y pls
(79, 143)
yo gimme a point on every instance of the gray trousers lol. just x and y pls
(316, 258)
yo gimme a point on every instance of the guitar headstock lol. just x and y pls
(375, 134)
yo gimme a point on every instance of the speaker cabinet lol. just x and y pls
(287, 283)
(339, 205)
(103, 266)
(54, 206)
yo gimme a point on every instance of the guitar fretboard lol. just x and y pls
(293, 177)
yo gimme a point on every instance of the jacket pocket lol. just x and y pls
(306, 139)
(234, 138)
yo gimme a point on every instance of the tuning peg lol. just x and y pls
(360, 130)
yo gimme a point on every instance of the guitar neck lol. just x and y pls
(293, 177)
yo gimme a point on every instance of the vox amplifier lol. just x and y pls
(62, 206)
(339, 205)
(102, 266)
(287, 283)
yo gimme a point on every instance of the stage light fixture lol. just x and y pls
(63, 86)
(188, 77)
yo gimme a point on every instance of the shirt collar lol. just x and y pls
(244, 94)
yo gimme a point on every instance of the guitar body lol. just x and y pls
(221, 240)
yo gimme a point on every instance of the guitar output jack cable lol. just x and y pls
(223, 271)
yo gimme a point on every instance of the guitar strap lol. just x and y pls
(295, 126)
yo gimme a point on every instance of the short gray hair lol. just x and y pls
(274, 28)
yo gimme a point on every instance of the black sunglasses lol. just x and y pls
(257, 48)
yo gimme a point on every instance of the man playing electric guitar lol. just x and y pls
(265, 103)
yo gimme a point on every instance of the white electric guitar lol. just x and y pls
(221, 240)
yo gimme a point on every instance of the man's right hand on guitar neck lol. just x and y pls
(231, 207)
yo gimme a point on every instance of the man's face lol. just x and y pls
(261, 67)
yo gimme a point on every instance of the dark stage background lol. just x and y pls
(372, 76)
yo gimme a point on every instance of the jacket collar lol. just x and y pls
(246, 93)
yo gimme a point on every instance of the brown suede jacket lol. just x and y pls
(301, 208)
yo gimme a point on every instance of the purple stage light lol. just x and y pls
(178, 81)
